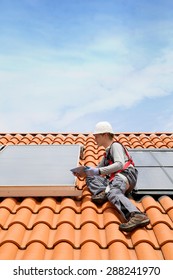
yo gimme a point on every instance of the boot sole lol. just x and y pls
(129, 229)
(99, 201)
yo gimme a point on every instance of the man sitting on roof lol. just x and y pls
(115, 177)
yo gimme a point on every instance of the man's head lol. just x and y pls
(103, 133)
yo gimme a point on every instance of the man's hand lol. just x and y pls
(91, 171)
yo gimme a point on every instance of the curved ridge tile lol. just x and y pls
(134, 140)
(90, 160)
(167, 250)
(9, 204)
(167, 141)
(8, 251)
(4, 216)
(90, 153)
(143, 138)
(48, 139)
(59, 139)
(37, 139)
(48, 202)
(15, 139)
(145, 251)
(5, 139)
(156, 141)
(113, 234)
(26, 139)
(80, 139)
(119, 251)
(69, 139)
(90, 232)
(156, 217)
(144, 236)
(70, 203)
(80, 184)
(91, 163)
(145, 141)
(14, 234)
(29, 203)
(91, 149)
(40, 233)
(91, 251)
(90, 139)
(65, 233)
(67, 215)
(166, 202)
(89, 215)
(163, 233)
(110, 215)
(45, 215)
(123, 140)
(170, 214)
(62, 251)
(121, 137)
(86, 202)
(22, 217)
(149, 202)
(34, 251)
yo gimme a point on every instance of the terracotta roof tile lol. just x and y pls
(145, 251)
(75, 228)
(156, 217)
(167, 250)
(166, 203)
(123, 140)
(164, 233)
(144, 236)
(149, 202)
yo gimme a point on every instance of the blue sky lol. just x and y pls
(67, 64)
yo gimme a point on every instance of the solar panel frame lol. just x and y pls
(155, 170)
(1, 147)
(38, 165)
(153, 178)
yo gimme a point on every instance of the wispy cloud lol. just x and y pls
(56, 85)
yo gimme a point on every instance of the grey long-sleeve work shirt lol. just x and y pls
(119, 157)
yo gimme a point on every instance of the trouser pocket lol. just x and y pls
(131, 174)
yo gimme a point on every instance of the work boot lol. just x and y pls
(99, 198)
(136, 220)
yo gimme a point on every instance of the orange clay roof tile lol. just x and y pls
(156, 217)
(75, 228)
(167, 250)
(149, 202)
(145, 251)
(166, 203)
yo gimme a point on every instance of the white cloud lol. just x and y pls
(59, 87)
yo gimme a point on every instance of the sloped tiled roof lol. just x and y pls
(75, 228)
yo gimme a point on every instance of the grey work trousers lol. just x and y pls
(116, 194)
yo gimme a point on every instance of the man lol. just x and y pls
(114, 177)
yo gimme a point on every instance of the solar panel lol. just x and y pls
(143, 158)
(165, 158)
(155, 167)
(43, 166)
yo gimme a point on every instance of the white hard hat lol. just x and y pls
(103, 127)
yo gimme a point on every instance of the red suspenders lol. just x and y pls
(126, 165)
